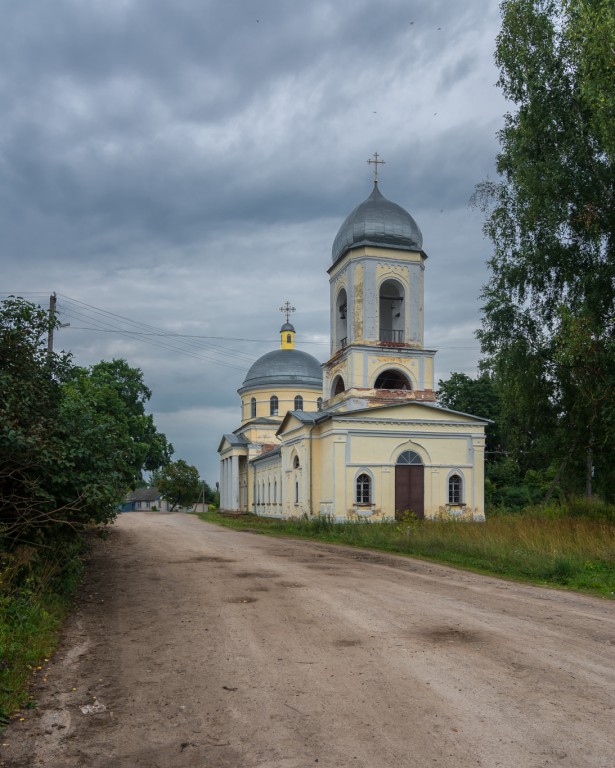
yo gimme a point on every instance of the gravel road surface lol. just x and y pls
(197, 646)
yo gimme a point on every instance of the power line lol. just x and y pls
(102, 321)
(162, 332)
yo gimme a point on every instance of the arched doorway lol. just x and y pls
(409, 485)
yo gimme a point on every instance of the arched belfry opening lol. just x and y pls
(391, 312)
(392, 379)
(341, 320)
(338, 386)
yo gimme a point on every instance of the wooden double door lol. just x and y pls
(409, 490)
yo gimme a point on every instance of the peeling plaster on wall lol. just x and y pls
(415, 302)
(357, 314)
(370, 297)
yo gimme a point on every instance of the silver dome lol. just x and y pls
(284, 367)
(377, 221)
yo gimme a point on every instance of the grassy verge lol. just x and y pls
(35, 593)
(562, 551)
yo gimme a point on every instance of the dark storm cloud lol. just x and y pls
(188, 164)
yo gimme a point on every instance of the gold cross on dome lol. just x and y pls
(287, 309)
(375, 162)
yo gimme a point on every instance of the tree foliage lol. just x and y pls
(479, 397)
(549, 310)
(72, 440)
(179, 483)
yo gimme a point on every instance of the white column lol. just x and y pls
(229, 491)
(222, 486)
(235, 482)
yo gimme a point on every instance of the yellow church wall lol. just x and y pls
(343, 447)
(429, 372)
(341, 450)
(374, 448)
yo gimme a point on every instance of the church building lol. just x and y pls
(360, 436)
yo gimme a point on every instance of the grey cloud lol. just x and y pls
(187, 166)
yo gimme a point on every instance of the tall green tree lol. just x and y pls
(118, 390)
(479, 397)
(72, 440)
(548, 326)
(179, 483)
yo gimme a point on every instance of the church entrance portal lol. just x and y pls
(409, 485)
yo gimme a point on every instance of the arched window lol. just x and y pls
(289, 338)
(392, 379)
(455, 489)
(409, 457)
(364, 489)
(296, 462)
(253, 408)
(273, 406)
(319, 403)
(341, 322)
(298, 403)
(338, 386)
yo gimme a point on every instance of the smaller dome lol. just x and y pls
(284, 367)
(287, 327)
(377, 221)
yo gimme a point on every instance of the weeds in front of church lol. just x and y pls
(543, 545)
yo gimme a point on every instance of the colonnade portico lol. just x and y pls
(229, 483)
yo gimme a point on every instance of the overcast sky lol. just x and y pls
(186, 164)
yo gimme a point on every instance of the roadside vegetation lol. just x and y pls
(73, 441)
(556, 545)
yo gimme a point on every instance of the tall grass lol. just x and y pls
(544, 546)
(35, 591)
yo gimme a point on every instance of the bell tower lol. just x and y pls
(376, 305)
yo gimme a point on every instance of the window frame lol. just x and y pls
(455, 489)
(363, 489)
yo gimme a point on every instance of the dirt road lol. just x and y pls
(196, 646)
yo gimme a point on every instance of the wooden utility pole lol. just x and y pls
(52, 318)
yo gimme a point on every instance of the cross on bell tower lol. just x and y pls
(375, 162)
